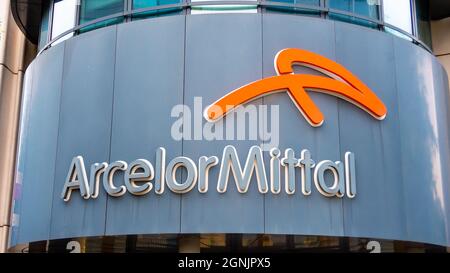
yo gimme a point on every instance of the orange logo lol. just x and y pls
(342, 84)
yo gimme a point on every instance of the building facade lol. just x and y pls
(16, 52)
(123, 143)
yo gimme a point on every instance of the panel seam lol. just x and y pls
(57, 136)
(112, 119)
(338, 103)
(400, 139)
(183, 102)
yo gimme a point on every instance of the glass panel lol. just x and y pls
(139, 4)
(212, 241)
(222, 8)
(43, 34)
(345, 5)
(423, 21)
(101, 24)
(296, 10)
(94, 9)
(398, 14)
(225, 243)
(64, 13)
(397, 33)
(304, 2)
(366, 8)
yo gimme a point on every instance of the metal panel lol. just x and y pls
(21, 153)
(369, 54)
(149, 82)
(299, 214)
(443, 118)
(42, 133)
(421, 162)
(85, 128)
(223, 52)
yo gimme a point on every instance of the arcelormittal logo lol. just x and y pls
(340, 83)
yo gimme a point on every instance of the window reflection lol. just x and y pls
(398, 14)
(140, 4)
(312, 3)
(64, 18)
(411, 16)
(423, 21)
(251, 243)
(94, 9)
(366, 8)
(43, 33)
(209, 9)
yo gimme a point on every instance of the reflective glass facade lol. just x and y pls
(63, 18)
(43, 37)
(398, 13)
(93, 9)
(408, 19)
(143, 4)
(422, 14)
(237, 243)
(366, 8)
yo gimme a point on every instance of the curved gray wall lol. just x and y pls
(107, 95)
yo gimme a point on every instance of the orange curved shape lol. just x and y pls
(342, 84)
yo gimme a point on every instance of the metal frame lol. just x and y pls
(50, 21)
(414, 31)
(261, 5)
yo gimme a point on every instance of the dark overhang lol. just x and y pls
(27, 14)
(439, 9)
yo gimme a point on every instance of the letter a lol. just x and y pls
(76, 179)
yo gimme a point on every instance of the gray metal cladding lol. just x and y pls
(108, 94)
(221, 55)
(148, 83)
(39, 150)
(84, 127)
(296, 214)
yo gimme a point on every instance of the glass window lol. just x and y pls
(64, 18)
(222, 8)
(140, 4)
(366, 8)
(296, 10)
(423, 21)
(224, 243)
(304, 2)
(94, 9)
(345, 5)
(43, 33)
(398, 14)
